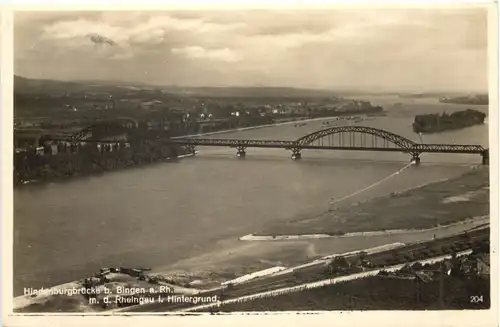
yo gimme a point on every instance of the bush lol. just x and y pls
(417, 266)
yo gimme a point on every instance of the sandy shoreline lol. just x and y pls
(473, 221)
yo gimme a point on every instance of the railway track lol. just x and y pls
(317, 272)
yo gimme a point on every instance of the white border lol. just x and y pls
(378, 318)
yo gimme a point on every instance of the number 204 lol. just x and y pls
(476, 299)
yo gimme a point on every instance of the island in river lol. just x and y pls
(433, 123)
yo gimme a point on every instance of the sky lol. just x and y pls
(375, 49)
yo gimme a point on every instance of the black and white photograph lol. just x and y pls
(252, 160)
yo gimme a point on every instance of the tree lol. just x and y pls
(337, 264)
(339, 261)
(416, 266)
(362, 255)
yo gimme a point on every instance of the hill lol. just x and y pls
(23, 85)
(251, 92)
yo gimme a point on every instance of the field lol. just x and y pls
(446, 202)
(378, 293)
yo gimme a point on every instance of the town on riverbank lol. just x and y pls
(140, 118)
(477, 99)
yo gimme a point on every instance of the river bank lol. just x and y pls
(473, 222)
(435, 209)
(446, 202)
(236, 258)
(97, 172)
(68, 165)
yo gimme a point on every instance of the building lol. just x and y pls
(24, 139)
(483, 265)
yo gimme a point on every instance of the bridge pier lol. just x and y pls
(486, 157)
(191, 149)
(415, 159)
(296, 154)
(241, 151)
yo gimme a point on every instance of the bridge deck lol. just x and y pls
(428, 148)
(279, 144)
(357, 138)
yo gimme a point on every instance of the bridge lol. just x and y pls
(346, 138)
(350, 138)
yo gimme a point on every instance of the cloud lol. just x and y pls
(81, 28)
(197, 52)
(321, 48)
(123, 55)
(198, 25)
(134, 29)
(99, 39)
(134, 34)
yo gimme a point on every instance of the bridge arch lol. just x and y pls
(397, 140)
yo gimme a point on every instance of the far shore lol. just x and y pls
(262, 126)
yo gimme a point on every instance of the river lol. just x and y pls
(158, 215)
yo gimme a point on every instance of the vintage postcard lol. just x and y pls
(243, 164)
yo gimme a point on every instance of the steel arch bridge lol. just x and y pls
(386, 136)
(353, 138)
